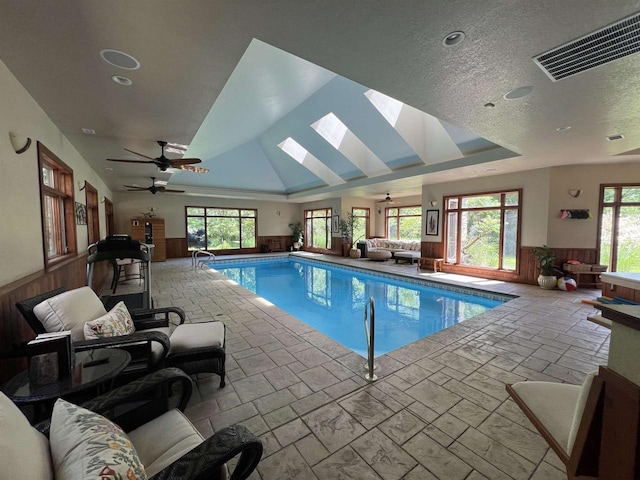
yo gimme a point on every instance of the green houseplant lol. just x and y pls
(546, 262)
(296, 233)
(346, 232)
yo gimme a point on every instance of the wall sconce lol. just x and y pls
(81, 185)
(575, 193)
(104, 199)
(379, 211)
(20, 143)
(433, 203)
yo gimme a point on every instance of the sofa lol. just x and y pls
(400, 249)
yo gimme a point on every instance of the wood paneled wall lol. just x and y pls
(177, 247)
(528, 264)
(13, 328)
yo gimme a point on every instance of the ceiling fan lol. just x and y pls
(388, 200)
(163, 162)
(153, 188)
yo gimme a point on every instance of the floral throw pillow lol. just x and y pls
(87, 446)
(116, 322)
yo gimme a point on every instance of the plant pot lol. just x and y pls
(296, 246)
(355, 253)
(346, 248)
(548, 282)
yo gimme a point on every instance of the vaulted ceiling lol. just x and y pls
(296, 100)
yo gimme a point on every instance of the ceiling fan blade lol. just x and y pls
(132, 186)
(137, 189)
(139, 154)
(189, 168)
(128, 161)
(169, 190)
(185, 161)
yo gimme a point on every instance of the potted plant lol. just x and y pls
(296, 233)
(346, 232)
(546, 262)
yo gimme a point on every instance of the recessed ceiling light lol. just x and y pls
(453, 38)
(89, 131)
(119, 59)
(491, 169)
(518, 93)
(108, 169)
(564, 128)
(121, 80)
(617, 136)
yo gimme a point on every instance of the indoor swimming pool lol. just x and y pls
(332, 299)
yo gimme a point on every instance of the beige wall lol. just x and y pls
(273, 217)
(535, 200)
(572, 233)
(21, 251)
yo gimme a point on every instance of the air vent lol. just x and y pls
(610, 43)
(617, 136)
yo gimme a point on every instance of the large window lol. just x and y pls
(404, 223)
(93, 221)
(482, 230)
(620, 227)
(58, 209)
(360, 223)
(317, 228)
(221, 228)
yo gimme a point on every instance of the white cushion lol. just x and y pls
(117, 322)
(554, 404)
(85, 445)
(195, 335)
(164, 439)
(580, 404)
(24, 451)
(70, 311)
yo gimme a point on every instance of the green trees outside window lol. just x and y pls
(221, 228)
(404, 223)
(481, 230)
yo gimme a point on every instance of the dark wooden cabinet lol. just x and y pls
(151, 230)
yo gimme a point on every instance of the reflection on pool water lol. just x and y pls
(332, 299)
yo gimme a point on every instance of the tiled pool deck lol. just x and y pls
(439, 409)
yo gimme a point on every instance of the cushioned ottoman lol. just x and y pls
(409, 256)
(379, 255)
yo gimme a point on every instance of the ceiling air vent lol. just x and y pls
(610, 43)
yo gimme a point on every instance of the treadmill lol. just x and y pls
(112, 249)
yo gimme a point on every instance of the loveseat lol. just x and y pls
(408, 249)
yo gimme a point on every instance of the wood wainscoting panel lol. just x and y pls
(13, 327)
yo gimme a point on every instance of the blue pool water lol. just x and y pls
(332, 300)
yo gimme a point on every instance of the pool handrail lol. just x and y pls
(370, 367)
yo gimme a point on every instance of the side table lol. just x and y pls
(93, 368)
(427, 262)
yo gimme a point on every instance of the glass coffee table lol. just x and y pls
(94, 369)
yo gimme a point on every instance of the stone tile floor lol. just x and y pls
(439, 409)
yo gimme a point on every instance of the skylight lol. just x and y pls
(331, 129)
(311, 163)
(293, 149)
(388, 107)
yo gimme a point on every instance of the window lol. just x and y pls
(58, 209)
(317, 228)
(619, 227)
(93, 222)
(404, 223)
(482, 230)
(360, 223)
(109, 219)
(221, 228)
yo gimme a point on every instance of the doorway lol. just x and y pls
(619, 227)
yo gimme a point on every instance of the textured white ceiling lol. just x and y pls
(191, 52)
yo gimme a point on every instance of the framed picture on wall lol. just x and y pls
(335, 224)
(81, 214)
(432, 222)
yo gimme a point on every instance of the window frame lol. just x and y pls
(63, 194)
(398, 216)
(93, 220)
(502, 208)
(206, 236)
(308, 232)
(366, 218)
